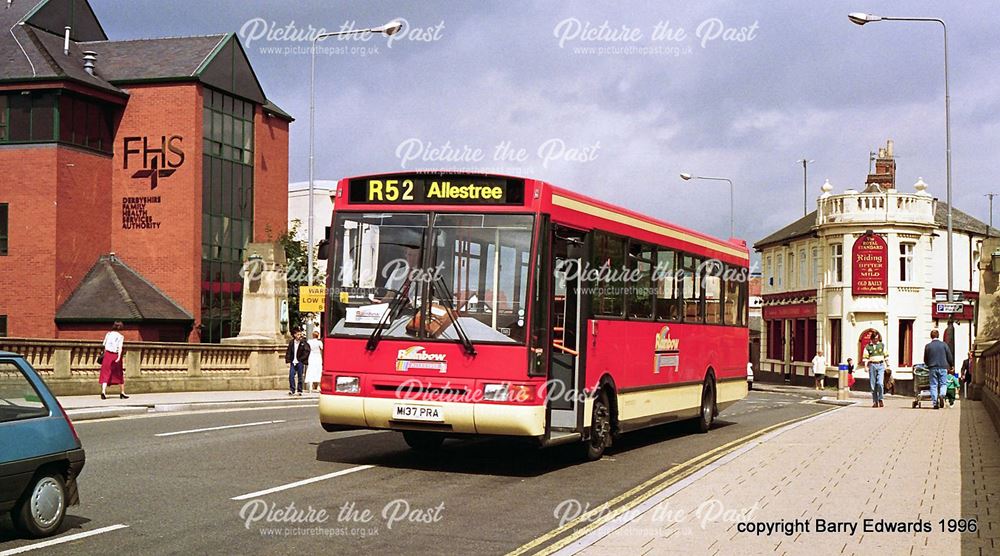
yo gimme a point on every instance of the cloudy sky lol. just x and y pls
(616, 99)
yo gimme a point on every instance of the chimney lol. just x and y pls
(66, 41)
(885, 168)
(89, 57)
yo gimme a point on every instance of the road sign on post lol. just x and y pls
(312, 299)
(950, 307)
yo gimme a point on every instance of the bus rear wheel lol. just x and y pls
(600, 428)
(706, 415)
(423, 441)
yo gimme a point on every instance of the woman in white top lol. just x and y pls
(314, 367)
(819, 369)
(112, 371)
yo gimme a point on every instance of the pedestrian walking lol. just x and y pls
(112, 370)
(939, 360)
(875, 355)
(967, 375)
(314, 368)
(819, 369)
(296, 356)
(850, 373)
(953, 384)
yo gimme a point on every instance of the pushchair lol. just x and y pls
(921, 385)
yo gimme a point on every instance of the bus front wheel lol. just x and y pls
(706, 414)
(423, 441)
(600, 428)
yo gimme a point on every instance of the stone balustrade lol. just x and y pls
(875, 208)
(70, 367)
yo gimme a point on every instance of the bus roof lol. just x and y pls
(555, 196)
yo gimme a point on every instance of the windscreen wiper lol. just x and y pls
(397, 303)
(445, 295)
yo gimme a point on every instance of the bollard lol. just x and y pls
(843, 393)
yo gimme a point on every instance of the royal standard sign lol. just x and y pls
(870, 270)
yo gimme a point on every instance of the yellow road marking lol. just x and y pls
(651, 488)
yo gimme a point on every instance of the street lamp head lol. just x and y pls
(391, 28)
(686, 177)
(860, 18)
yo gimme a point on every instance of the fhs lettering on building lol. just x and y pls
(155, 161)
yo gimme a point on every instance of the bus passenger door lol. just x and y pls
(565, 370)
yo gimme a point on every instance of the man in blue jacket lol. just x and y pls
(939, 360)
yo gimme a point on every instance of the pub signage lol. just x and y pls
(870, 270)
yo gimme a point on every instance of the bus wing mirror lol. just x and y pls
(322, 250)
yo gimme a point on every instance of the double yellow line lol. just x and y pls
(627, 501)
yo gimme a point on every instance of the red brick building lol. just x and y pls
(163, 152)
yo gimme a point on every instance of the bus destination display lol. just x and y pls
(436, 190)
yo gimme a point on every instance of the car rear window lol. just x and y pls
(18, 397)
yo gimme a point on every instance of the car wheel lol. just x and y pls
(707, 412)
(423, 441)
(600, 429)
(43, 508)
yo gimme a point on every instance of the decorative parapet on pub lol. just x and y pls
(70, 367)
(874, 207)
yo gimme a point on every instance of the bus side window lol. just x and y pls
(640, 297)
(665, 278)
(692, 290)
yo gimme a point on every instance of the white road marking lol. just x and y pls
(301, 483)
(60, 540)
(221, 428)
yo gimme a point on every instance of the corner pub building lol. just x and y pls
(132, 175)
(867, 261)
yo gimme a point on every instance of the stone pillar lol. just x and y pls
(264, 291)
(988, 315)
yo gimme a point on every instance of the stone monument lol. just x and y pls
(264, 317)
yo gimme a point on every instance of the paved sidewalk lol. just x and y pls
(852, 464)
(93, 407)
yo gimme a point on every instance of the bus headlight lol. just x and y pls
(348, 384)
(495, 392)
(514, 393)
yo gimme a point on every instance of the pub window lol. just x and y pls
(905, 343)
(609, 260)
(837, 262)
(800, 338)
(667, 286)
(3, 326)
(906, 261)
(803, 272)
(835, 340)
(640, 290)
(779, 270)
(815, 266)
(692, 289)
(768, 275)
(776, 340)
(3, 229)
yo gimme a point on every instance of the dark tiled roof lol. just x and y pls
(147, 59)
(68, 66)
(960, 222)
(801, 227)
(111, 291)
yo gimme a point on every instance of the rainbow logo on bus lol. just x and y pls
(666, 352)
(415, 358)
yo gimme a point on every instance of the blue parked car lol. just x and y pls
(40, 453)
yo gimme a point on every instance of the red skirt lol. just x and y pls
(112, 372)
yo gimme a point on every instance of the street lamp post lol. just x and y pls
(732, 197)
(389, 29)
(805, 186)
(863, 18)
(990, 197)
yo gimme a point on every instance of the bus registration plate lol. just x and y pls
(408, 412)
